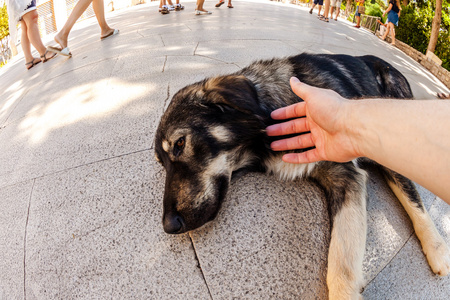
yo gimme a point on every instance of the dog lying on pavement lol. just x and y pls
(217, 126)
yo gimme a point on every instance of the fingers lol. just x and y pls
(289, 112)
(296, 142)
(309, 156)
(290, 127)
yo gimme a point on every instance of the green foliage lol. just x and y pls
(374, 10)
(414, 28)
(4, 27)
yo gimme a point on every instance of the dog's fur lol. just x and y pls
(217, 126)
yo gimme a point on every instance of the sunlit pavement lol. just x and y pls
(81, 193)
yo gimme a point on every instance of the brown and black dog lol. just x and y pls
(217, 126)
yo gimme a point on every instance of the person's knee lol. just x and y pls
(31, 17)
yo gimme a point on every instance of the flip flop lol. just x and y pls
(44, 57)
(220, 3)
(230, 6)
(116, 31)
(32, 63)
(65, 51)
(201, 12)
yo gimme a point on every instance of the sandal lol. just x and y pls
(443, 96)
(230, 6)
(32, 63)
(220, 3)
(202, 12)
(44, 57)
(164, 10)
(179, 7)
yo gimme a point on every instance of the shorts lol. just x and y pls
(357, 14)
(320, 2)
(393, 17)
(336, 3)
(30, 7)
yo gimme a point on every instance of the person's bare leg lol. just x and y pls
(99, 9)
(25, 42)
(385, 33)
(200, 5)
(393, 34)
(33, 34)
(326, 8)
(63, 35)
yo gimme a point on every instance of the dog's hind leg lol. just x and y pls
(345, 189)
(433, 245)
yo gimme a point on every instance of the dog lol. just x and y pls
(216, 127)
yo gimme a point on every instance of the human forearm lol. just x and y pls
(410, 137)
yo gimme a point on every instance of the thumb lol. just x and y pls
(301, 89)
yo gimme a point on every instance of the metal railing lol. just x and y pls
(369, 22)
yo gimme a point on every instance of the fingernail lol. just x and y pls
(294, 80)
(269, 128)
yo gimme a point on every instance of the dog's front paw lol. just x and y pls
(438, 256)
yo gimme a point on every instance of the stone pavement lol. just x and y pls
(81, 193)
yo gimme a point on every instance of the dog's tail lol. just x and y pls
(391, 83)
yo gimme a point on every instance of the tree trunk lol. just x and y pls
(435, 27)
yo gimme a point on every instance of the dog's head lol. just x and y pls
(202, 138)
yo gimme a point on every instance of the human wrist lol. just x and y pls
(355, 126)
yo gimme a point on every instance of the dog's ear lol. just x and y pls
(232, 91)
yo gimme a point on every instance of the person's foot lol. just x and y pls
(62, 41)
(32, 63)
(164, 10)
(220, 3)
(310, 12)
(202, 12)
(357, 26)
(443, 96)
(106, 32)
(47, 56)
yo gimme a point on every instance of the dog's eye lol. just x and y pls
(179, 145)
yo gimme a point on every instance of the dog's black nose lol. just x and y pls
(173, 223)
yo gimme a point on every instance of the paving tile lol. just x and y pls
(269, 241)
(408, 275)
(14, 202)
(95, 232)
(90, 119)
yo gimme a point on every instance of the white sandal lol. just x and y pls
(201, 12)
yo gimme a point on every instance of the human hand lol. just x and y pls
(321, 118)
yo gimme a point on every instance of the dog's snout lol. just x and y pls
(173, 223)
